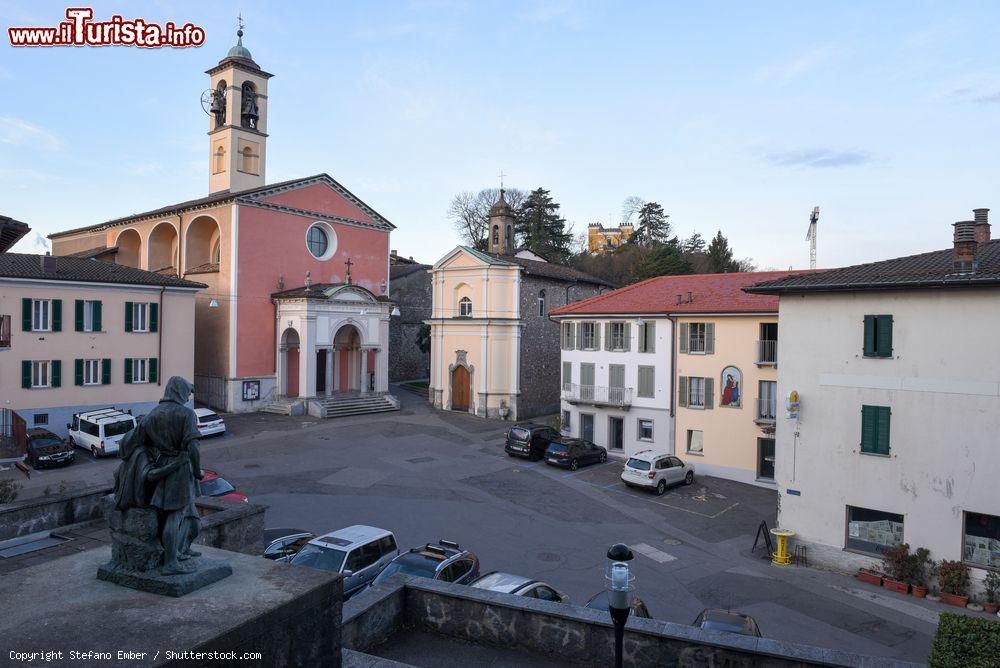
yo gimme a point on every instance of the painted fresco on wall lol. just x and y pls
(732, 387)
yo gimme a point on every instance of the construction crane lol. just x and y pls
(811, 236)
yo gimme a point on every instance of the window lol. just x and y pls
(647, 386)
(248, 161)
(5, 331)
(220, 160)
(566, 424)
(40, 419)
(139, 371)
(875, 430)
(872, 531)
(695, 442)
(317, 241)
(40, 315)
(767, 401)
(496, 235)
(465, 307)
(696, 392)
(568, 342)
(878, 336)
(696, 338)
(567, 375)
(137, 317)
(588, 336)
(91, 372)
(40, 373)
(765, 458)
(981, 546)
(618, 336)
(541, 303)
(587, 426)
(87, 315)
(647, 336)
(645, 430)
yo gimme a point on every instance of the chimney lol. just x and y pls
(964, 254)
(982, 225)
(690, 298)
(392, 255)
(680, 299)
(48, 264)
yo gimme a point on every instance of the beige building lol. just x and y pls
(602, 239)
(78, 334)
(494, 352)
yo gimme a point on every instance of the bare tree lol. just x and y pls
(469, 213)
(631, 208)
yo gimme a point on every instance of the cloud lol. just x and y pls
(818, 157)
(566, 12)
(789, 69)
(19, 132)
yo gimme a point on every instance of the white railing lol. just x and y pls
(766, 409)
(767, 352)
(597, 394)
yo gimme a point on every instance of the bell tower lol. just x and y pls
(237, 108)
(501, 229)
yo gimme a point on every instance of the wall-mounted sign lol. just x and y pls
(732, 387)
(251, 390)
(792, 405)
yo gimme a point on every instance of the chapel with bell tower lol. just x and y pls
(237, 107)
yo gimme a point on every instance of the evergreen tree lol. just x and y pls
(652, 226)
(541, 229)
(661, 259)
(720, 255)
(694, 244)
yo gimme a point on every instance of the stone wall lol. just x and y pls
(540, 350)
(410, 288)
(51, 511)
(237, 527)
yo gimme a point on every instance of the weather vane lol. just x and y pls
(239, 22)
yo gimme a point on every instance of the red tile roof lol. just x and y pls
(710, 293)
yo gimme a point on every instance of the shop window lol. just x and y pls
(981, 546)
(872, 531)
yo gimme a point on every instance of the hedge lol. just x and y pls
(966, 642)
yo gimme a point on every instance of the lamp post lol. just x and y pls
(620, 583)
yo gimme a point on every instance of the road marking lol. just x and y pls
(586, 470)
(658, 556)
(911, 609)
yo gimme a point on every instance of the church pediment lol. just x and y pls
(463, 257)
(321, 197)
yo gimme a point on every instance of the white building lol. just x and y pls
(898, 374)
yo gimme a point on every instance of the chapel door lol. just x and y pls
(292, 372)
(460, 389)
(321, 372)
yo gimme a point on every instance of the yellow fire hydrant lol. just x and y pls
(781, 557)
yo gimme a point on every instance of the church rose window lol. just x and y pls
(318, 241)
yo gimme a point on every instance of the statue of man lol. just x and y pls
(170, 434)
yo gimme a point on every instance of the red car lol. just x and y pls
(216, 486)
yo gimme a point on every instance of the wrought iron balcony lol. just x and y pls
(767, 352)
(597, 395)
(766, 410)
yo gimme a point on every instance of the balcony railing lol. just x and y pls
(766, 409)
(597, 395)
(767, 352)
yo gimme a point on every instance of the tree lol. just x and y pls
(470, 213)
(720, 257)
(541, 229)
(630, 209)
(661, 259)
(652, 226)
(694, 244)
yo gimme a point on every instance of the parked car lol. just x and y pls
(282, 543)
(529, 440)
(99, 431)
(359, 553)
(656, 470)
(574, 453)
(444, 561)
(209, 422)
(519, 586)
(47, 449)
(727, 621)
(214, 485)
(599, 601)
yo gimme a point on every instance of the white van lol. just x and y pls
(99, 431)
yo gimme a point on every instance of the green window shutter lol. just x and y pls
(153, 369)
(105, 372)
(97, 317)
(883, 330)
(56, 373)
(567, 372)
(628, 337)
(882, 430)
(56, 315)
(25, 315)
(607, 336)
(597, 336)
(616, 376)
(78, 315)
(128, 316)
(642, 338)
(128, 370)
(685, 337)
(869, 420)
(78, 370)
(869, 349)
(154, 317)
(647, 386)
(578, 339)
(709, 393)
(26, 373)
(682, 391)
(710, 338)
(650, 334)
(562, 336)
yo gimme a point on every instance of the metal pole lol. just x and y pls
(618, 617)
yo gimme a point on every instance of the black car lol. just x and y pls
(281, 543)
(574, 453)
(47, 449)
(729, 622)
(529, 440)
(600, 602)
(444, 561)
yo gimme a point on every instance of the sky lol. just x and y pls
(736, 116)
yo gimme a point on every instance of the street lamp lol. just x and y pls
(620, 583)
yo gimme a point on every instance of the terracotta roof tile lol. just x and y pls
(66, 268)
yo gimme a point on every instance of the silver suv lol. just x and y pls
(358, 552)
(657, 471)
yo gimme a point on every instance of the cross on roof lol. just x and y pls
(501, 178)
(239, 20)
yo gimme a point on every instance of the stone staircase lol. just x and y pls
(357, 404)
(281, 406)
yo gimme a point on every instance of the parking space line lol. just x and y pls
(586, 470)
(659, 556)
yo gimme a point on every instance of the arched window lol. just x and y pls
(220, 160)
(541, 303)
(510, 239)
(248, 161)
(219, 104)
(249, 112)
(465, 307)
(496, 235)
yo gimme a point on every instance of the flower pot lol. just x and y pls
(893, 585)
(991, 607)
(918, 591)
(975, 607)
(870, 577)
(954, 599)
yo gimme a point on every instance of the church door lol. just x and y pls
(460, 389)
(292, 373)
(321, 372)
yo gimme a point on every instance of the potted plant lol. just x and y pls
(954, 579)
(991, 585)
(871, 575)
(920, 561)
(898, 567)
